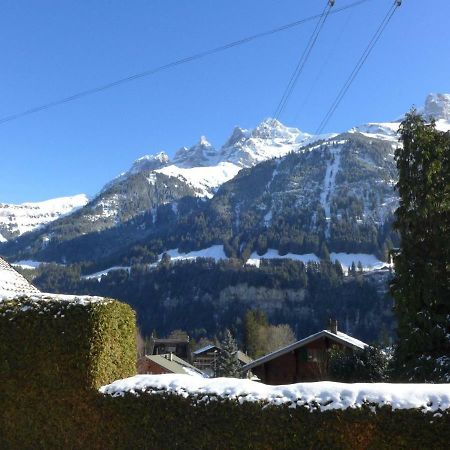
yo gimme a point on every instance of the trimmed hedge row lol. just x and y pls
(170, 421)
(54, 355)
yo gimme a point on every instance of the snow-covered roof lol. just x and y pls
(12, 284)
(339, 337)
(205, 349)
(324, 395)
(174, 364)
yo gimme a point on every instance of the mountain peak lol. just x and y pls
(273, 129)
(149, 162)
(199, 155)
(438, 106)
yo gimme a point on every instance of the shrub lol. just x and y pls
(54, 354)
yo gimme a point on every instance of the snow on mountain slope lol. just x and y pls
(270, 139)
(18, 219)
(202, 154)
(436, 106)
(205, 180)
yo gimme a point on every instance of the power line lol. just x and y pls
(375, 38)
(302, 61)
(170, 65)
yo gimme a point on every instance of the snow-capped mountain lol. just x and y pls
(18, 219)
(437, 106)
(204, 168)
(274, 184)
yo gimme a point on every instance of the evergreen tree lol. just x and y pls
(254, 320)
(421, 287)
(370, 365)
(228, 364)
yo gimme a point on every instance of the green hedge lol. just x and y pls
(54, 355)
(169, 421)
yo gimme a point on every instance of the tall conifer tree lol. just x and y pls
(421, 287)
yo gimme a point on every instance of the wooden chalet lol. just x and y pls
(178, 347)
(304, 360)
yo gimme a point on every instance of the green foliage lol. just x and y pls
(213, 296)
(421, 287)
(145, 421)
(54, 355)
(228, 364)
(370, 365)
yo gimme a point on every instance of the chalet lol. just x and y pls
(179, 347)
(167, 363)
(304, 360)
(205, 359)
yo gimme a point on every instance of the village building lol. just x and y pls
(166, 363)
(206, 359)
(178, 347)
(304, 360)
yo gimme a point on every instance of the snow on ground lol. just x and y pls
(102, 273)
(27, 264)
(205, 179)
(2, 238)
(28, 216)
(369, 262)
(255, 259)
(324, 395)
(216, 252)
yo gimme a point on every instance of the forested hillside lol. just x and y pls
(204, 297)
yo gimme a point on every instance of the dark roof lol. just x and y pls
(206, 348)
(340, 337)
(170, 341)
(241, 356)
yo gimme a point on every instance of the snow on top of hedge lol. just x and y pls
(43, 298)
(323, 395)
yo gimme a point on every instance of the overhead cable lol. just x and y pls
(302, 61)
(172, 64)
(375, 38)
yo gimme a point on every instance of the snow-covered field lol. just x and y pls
(216, 252)
(324, 395)
(368, 262)
(255, 259)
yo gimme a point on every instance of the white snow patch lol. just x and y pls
(323, 395)
(27, 264)
(329, 182)
(2, 238)
(204, 179)
(216, 252)
(369, 262)
(255, 259)
(102, 273)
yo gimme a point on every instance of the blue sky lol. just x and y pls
(50, 49)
